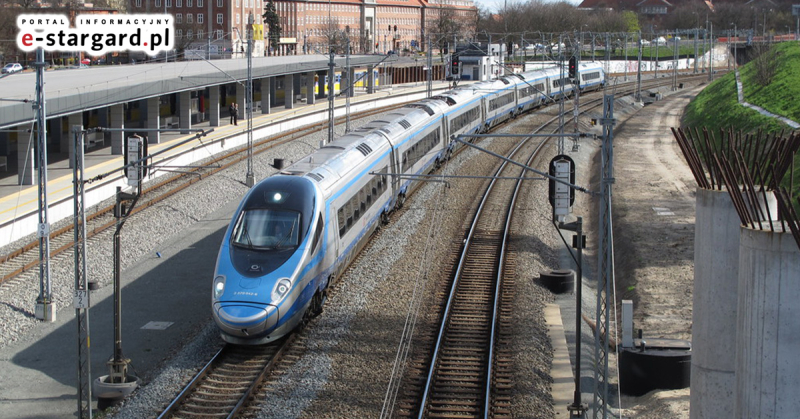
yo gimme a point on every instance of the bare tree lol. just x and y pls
(764, 59)
(444, 26)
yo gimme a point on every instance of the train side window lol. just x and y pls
(348, 212)
(362, 197)
(356, 208)
(374, 185)
(340, 219)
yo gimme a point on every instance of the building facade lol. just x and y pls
(214, 27)
(310, 26)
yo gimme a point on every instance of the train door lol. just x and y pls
(333, 233)
(394, 155)
(447, 141)
(484, 114)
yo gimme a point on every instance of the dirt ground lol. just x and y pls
(654, 214)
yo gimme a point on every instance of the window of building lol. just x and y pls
(219, 18)
(199, 18)
(189, 34)
(158, 3)
(219, 33)
(178, 3)
(199, 34)
(188, 3)
(237, 3)
(138, 3)
(219, 3)
(199, 3)
(238, 18)
(179, 33)
(189, 18)
(169, 3)
(179, 18)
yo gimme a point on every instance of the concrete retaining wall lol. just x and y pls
(715, 298)
(768, 326)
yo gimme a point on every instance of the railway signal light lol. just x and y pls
(136, 147)
(455, 67)
(573, 67)
(561, 195)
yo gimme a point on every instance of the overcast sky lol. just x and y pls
(498, 4)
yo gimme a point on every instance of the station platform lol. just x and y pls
(19, 204)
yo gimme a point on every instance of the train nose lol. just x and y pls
(246, 320)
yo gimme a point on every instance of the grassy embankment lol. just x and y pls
(716, 107)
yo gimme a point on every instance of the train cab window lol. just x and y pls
(267, 229)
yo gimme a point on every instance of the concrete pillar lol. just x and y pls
(370, 80)
(72, 119)
(266, 94)
(117, 113)
(26, 169)
(153, 120)
(350, 78)
(240, 94)
(715, 295)
(213, 105)
(185, 111)
(288, 91)
(67, 141)
(310, 84)
(767, 361)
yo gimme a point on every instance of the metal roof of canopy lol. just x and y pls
(70, 91)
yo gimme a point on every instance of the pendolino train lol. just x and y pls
(296, 231)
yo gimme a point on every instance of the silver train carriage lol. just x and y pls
(295, 232)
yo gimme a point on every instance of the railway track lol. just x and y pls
(469, 374)
(223, 387)
(469, 370)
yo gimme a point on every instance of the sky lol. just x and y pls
(494, 5)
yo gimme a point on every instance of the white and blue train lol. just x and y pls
(296, 231)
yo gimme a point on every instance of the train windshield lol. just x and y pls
(267, 229)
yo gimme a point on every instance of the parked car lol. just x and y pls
(660, 41)
(644, 42)
(12, 68)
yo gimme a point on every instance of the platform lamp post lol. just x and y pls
(249, 177)
(45, 307)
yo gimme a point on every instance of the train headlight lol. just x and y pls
(281, 289)
(219, 286)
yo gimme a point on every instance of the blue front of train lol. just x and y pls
(263, 282)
